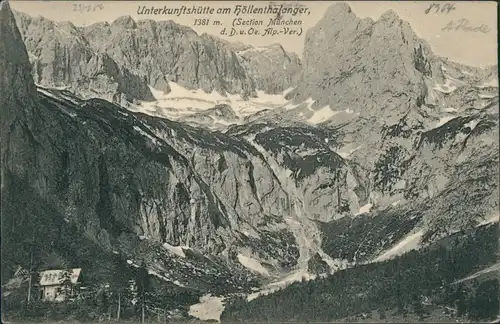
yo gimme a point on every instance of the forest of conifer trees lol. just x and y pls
(403, 285)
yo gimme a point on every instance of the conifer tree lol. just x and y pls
(143, 283)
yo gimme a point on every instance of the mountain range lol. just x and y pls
(358, 156)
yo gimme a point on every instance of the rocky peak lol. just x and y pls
(390, 17)
(345, 56)
(340, 9)
(20, 118)
(14, 61)
(125, 22)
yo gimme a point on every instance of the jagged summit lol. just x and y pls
(12, 42)
(125, 22)
(390, 15)
(340, 53)
(20, 118)
(14, 61)
(338, 8)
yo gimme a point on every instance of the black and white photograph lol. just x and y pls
(249, 162)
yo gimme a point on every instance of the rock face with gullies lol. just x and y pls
(258, 189)
(377, 67)
(273, 69)
(119, 60)
(113, 173)
(384, 108)
(62, 57)
(164, 50)
(17, 99)
(351, 63)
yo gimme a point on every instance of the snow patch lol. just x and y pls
(287, 91)
(347, 150)
(252, 264)
(306, 152)
(447, 87)
(290, 106)
(176, 282)
(491, 84)
(322, 115)
(181, 102)
(411, 242)
(444, 120)
(41, 87)
(178, 91)
(130, 262)
(209, 308)
(364, 209)
(493, 268)
(155, 142)
(264, 99)
(63, 109)
(490, 220)
(156, 274)
(449, 110)
(282, 283)
(254, 49)
(472, 124)
(395, 203)
(177, 250)
(309, 102)
(487, 95)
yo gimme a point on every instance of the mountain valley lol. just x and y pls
(243, 175)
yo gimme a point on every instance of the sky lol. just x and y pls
(469, 47)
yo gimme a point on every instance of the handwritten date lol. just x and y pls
(80, 7)
(440, 8)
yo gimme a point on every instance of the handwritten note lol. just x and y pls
(460, 25)
(79, 7)
(440, 8)
(465, 25)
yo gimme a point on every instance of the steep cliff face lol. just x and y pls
(113, 173)
(62, 57)
(273, 69)
(381, 68)
(345, 55)
(119, 60)
(171, 51)
(385, 107)
(19, 122)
